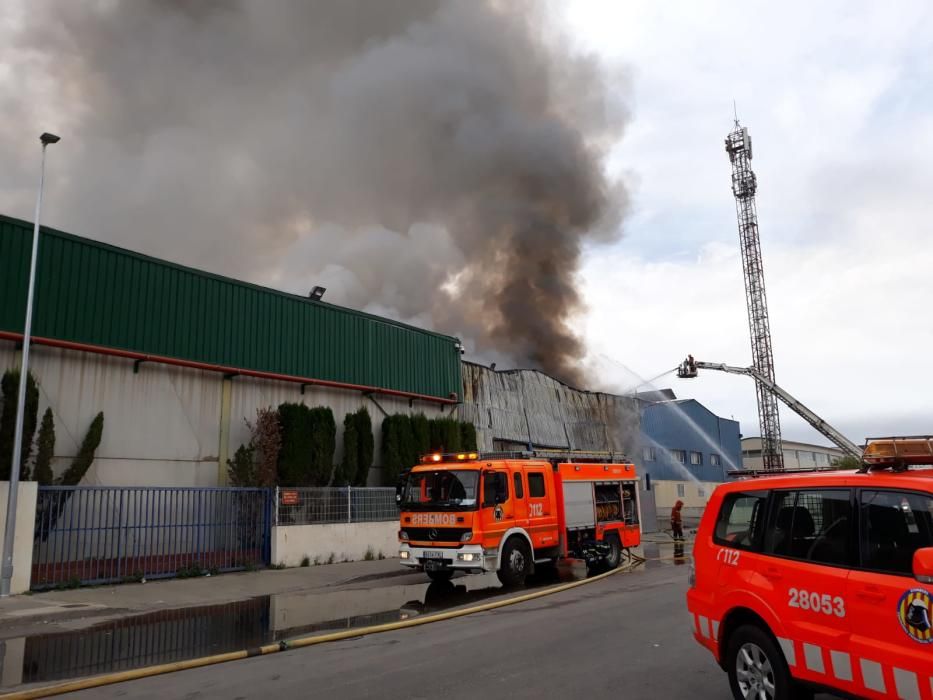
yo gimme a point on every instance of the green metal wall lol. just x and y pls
(88, 292)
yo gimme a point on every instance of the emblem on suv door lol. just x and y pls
(913, 611)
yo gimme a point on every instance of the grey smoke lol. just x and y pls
(439, 161)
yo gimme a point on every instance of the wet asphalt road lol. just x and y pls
(626, 636)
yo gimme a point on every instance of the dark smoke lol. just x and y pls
(439, 161)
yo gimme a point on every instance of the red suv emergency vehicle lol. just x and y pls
(510, 512)
(821, 579)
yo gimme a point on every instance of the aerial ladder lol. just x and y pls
(688, 370)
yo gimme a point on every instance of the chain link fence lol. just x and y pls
(322, 505)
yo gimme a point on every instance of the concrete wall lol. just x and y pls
(172, 426)
(160, 425)
(345, 541)
(25, 524)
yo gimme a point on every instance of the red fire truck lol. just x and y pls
(511, 512)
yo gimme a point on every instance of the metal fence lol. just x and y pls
(101, 534)
(321, 505)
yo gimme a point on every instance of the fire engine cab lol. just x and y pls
(511, 512)
(809, 579)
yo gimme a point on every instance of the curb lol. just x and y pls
(285, 645)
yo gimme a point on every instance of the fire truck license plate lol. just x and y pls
(432, 554)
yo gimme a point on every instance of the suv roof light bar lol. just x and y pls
(754, 473)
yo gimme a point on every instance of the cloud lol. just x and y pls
(842, 126)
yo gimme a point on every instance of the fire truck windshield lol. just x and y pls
(455, 489)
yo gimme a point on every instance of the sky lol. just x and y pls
(836, 98)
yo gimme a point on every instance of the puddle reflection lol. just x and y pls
(174, 635)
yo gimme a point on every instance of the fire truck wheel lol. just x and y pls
(615, 552)
(516, 560)
(756, 666)
(440, 575)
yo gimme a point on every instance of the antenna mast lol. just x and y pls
(744, 186)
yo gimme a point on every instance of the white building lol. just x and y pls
(796, 454)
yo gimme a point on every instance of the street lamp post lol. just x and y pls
(6, 573)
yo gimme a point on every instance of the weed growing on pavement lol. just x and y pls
(370, 555)
(191, 571)
(305, 561)
(381, 555)
(331, 559)
(277, 567)
(73, 582)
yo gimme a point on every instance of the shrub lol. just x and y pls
(421, 431)
(9, 389)
(323, 445)
(305, 561)
(408, 448)
(468, 437)
(452, 441)
(391, 449)
(367, 446)
(436, 432)
(241, 469)
(85, 457)
(348, 468)
(45, 449)
(294, 463)
(256, 463)
(266, 439)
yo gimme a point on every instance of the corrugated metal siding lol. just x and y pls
(92, 293)
(525, 406)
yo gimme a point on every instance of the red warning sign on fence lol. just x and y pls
(289, 498)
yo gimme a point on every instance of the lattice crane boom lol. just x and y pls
(744, 187)
(689, 368)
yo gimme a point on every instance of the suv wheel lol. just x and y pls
(757, 669)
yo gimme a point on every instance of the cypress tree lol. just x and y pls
(45, 449)
(294, 463)
(468, 437)
(85, 457)
(364, 431)
(9, 388)
(421, 429)
(346, 472)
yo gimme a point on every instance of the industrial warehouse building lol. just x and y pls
(178, 359)
(797, 455)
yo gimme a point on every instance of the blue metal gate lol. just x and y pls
(102, 534)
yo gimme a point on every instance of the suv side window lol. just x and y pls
(812, 525)
(741, 519)
(519, 490)
(894, 524)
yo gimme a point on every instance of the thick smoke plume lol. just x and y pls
(439, 161)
